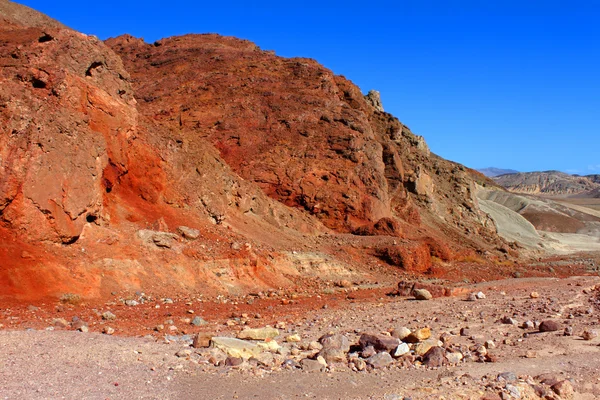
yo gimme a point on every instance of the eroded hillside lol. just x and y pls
(202, 163)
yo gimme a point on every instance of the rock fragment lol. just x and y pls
(549, 326)
(422, 294)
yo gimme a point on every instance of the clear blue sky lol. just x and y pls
(506, 84)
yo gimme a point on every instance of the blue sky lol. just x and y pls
(487, 83)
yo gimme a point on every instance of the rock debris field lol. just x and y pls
(530, 338)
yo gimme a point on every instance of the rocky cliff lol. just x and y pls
(202, 163)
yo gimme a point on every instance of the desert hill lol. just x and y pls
(203, 163)
(550, 183)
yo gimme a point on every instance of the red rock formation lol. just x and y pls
(260, 154)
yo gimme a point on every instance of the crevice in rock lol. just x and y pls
(45, 38)
(92, 67)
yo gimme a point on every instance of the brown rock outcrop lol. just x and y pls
(106, 150)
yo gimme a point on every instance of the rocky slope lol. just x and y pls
(551, 183)
(202, 163)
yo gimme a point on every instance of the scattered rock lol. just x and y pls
(418, 336)
(198, 321)
(549, 326)
(509, 321)
(379, 342)
(233, 361)
(380, 360)
(108, 316)
(435, 357)
(188, 233)
(236, 347)
(309, 365)
(480, 295)
(107, 330)
(401, 332)
(422, 294)
(184, 353)
(564, 389)
(534, 295)
(293, 338)
(589, 334)
(454, 357)
(258, 333)
(202, 340)
(60, 322)
(401, 350)
(334, 348)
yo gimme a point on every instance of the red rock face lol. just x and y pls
(291, 126)
(261, 155)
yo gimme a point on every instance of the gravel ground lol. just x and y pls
(42, 364)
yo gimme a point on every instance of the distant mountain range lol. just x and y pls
(551, 183)
(493, 172)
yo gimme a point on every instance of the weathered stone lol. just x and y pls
(422, 294)
(480, 295)
(198, 321)
(549, 326)
(233, 361)
(269, 345)
(107, 330)
(401, 350)
(201, 340)
(236, 347)
(589, 334)
(309, 365)
(379, 342)
(564, 389)
(418, 336)
(184, 353)
(401, 332)
(374, 99)
(188, 233)
(60, 322)
(423, 347)
(435, 357)
(454, 357)
(510, 321)
(293, 338)
(108, 316)
(258, 333)
(380, 360)
(159, 239)
(368, 352)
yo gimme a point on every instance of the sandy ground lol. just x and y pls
(41, 364)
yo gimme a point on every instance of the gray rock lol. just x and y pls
(309, 365)
(188, 233)
(374, 99)
(380, 360)
(131, 303)
(158, 239)
(507, 376)
(401, 350)
(334, 348)
(198, 321)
